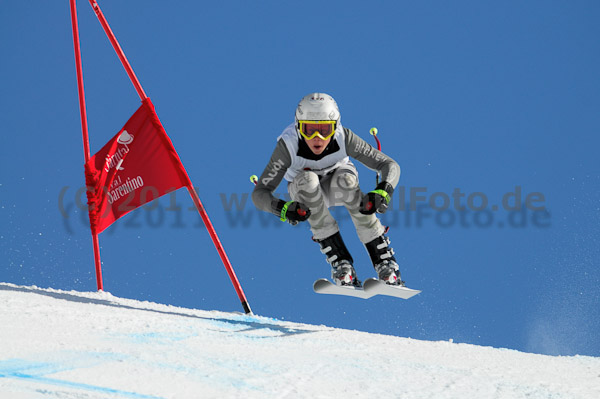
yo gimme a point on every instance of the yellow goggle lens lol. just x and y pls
(311, 129)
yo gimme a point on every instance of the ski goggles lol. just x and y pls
(311, 129)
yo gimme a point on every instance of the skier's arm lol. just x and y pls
(262, 196)
(373, 159)
(378, 199)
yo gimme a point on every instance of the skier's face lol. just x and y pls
(317, 145)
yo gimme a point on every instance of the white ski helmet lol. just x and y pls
(317, 107)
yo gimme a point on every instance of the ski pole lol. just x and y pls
(374, 132)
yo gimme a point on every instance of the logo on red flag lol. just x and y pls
(138, 165)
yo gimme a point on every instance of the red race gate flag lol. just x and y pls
(138, 165)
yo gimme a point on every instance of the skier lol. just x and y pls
(313, 155)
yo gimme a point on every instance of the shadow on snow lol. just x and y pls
(248, 322)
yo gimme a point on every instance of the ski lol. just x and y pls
(324, 286)
(373, 286)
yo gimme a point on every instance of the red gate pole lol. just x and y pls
(84, 130)
(219, 246)
(119, 51)
(190, 187)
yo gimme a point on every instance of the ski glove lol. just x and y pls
(377, 200)
(293, 212)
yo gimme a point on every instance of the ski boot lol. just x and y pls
(382, 256)
(342, 271)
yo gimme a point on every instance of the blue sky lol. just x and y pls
(477, 96)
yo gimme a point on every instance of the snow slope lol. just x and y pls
(58, 344)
